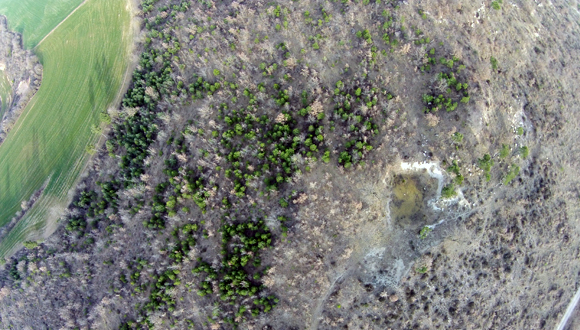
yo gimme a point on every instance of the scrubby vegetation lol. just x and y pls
(449, 89)
(261, 150)
(245, 180)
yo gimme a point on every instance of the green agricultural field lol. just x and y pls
(85, 62)
(5, 92)
(36, 18)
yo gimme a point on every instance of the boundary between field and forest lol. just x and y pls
(124, 85)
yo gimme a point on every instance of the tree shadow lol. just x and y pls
(106, 75)
(101, 80)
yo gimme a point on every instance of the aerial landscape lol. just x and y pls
(292, 164)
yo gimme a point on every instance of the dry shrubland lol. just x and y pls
(209, 152)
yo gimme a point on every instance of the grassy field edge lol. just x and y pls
(74, 104)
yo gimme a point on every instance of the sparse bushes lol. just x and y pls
(30, 244)
(448, 191)
(486, 164)
(365, 35)
(494, 63)
(524, 152)
(504, 151)
(422, 269)
(449, 90)
(425, 232)
(147, 5)
(91, 149)
(511, 174)
(454, 168)
(457, 137)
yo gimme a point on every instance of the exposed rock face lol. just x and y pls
(22, 70)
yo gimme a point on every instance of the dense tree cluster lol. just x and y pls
(271, 148)
(353, 114)
(239, 276)
(91, 207)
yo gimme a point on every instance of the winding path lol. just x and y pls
(320, 306)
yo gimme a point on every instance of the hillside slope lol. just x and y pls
(326, 165)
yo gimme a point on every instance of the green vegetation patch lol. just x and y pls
(450, 88)
(425, 232)
(34, 19)
(513, 171)
(486, 163)
(448, 191)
